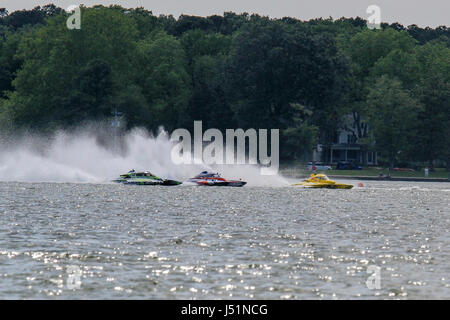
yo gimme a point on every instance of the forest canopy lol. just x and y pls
(231, 71)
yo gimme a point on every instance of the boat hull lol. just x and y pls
(217, 183)
(319, 181)
(331, 186)
(148, 182)
(236, 183)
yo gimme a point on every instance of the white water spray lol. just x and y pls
(79, 158)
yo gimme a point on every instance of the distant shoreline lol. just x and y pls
(376, 178)
(415, 179)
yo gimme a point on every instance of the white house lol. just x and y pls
(346, 147)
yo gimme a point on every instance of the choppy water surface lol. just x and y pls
(143, 242)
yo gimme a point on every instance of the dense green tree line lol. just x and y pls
(231, 71)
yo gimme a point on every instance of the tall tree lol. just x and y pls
(164, 80)
(206, 54)
(433, 91)
(392, 113)
(364, 50)
(274, 65)
(56, 59)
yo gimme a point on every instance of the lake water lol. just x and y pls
(110, 241)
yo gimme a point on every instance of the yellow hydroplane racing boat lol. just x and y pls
(322, 181)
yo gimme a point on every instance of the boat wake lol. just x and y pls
(83, 157)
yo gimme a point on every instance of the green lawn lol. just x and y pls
(438, 173)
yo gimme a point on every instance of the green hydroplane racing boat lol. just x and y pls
(144, 178)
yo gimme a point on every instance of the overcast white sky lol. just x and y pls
(421, 12)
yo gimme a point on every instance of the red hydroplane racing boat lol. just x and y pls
(214, 179)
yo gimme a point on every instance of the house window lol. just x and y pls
(351, 138)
